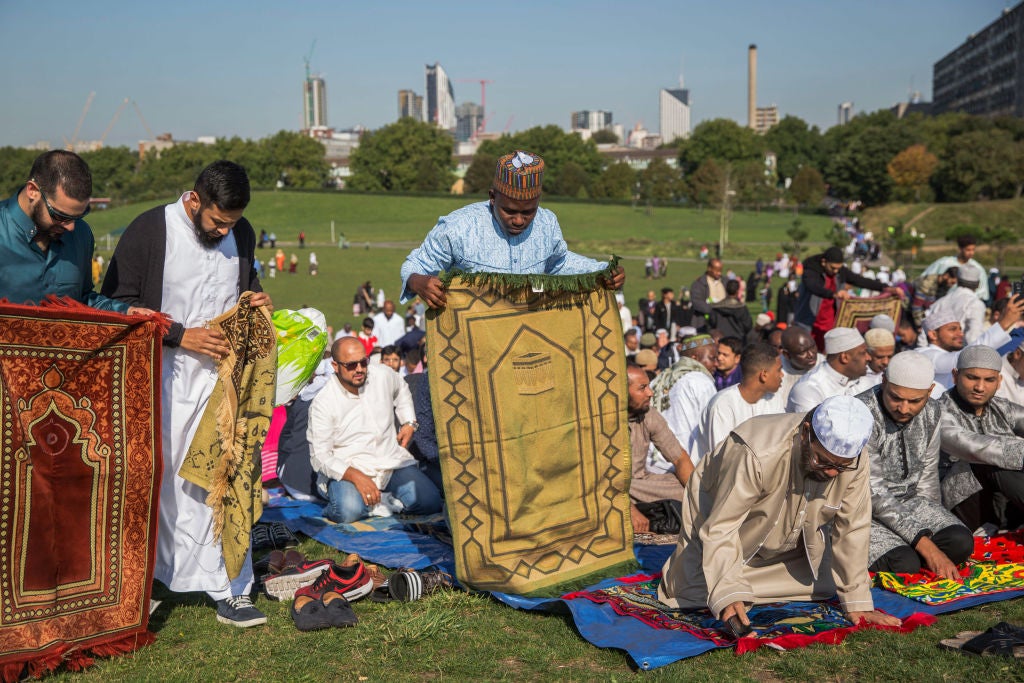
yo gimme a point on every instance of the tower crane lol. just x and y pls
(483, 100)
(85, 110)
(110, 125)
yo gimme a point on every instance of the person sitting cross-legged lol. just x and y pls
(353, 445)
(910, 528)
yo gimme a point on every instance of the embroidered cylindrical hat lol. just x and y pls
(519, 175)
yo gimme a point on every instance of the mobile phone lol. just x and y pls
(1018, 287)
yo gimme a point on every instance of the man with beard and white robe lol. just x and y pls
(842, 373)
(780, 511)
(191, 260)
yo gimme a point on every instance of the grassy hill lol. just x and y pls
(935, 219)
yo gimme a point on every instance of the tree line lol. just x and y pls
(876, 158)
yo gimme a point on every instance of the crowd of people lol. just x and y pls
(797, 455)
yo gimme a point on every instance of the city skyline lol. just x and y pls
(224, 69)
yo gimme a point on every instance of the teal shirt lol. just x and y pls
(28, 274)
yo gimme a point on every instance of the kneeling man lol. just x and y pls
(352, 441)
(758, 509)
(910, 528)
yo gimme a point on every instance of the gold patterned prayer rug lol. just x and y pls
(529, 396)
(224, 456)
(80, 472)
(857, 312)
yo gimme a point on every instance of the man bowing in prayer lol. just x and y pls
(758, 509)
(910, 528)
(192, 260)
(509, 233)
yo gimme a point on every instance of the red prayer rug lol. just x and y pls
(80, 471)
(996, 566)
(781, 625)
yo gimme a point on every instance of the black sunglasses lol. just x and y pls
(59, 216)
(351, 365)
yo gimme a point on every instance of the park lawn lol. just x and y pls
(452, 635)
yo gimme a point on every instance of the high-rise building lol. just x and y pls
(674, 112)
(985, 74)
(410, 105)
(440, 98)
(591, 121)
(314, 102)
(765, 118)
(845, 113)
(468, 117)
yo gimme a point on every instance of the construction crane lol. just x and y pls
(308, 57)
(70, 144)
(142, 118)
(483, 99)
(110, 125)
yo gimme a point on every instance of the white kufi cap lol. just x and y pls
(911, 370)
(842, 425)
(840, 339)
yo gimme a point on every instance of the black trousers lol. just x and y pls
(1000, 500)
(956, 541)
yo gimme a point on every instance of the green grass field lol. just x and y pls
(454, 635)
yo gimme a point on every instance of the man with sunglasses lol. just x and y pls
(362, 464)
(45, 246)
(192, 259)
(780, 511)
(510, 233)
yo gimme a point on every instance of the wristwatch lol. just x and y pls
(415, 425)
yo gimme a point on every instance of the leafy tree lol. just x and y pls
(618, 181)
(392, 158)
(480, 174)
(705, 185)
(859, 152)
(571, 180)
(660, 182)
(795, 145)
(798, 234)
(808, 187)
(15, 164)
(296, 159)
(979, 164)
(112, 170)
(605, 136)
(554, 145)
(753, 186)
(723, 140)
(912, 168)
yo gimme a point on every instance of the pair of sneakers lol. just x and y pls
(239, 611)
(325, 602)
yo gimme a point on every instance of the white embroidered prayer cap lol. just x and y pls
(842, 425)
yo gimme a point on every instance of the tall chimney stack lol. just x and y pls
(752, 86)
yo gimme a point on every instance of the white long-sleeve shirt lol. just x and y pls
(945, 361)
(358, 430)
(821, 383)
(727, 410)
(688, 398)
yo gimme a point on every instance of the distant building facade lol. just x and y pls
(439, 100)
(985, 75)
(590, 121)
(765, 118)
(468, 117)
(674, 112)
(845, 113)
(314, 103)
(410, 105)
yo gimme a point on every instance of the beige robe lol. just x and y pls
(756, 529)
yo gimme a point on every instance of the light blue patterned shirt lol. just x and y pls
(471, 239)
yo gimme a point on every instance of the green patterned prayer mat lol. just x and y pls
(529, 396)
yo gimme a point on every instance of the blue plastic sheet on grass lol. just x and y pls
(393, 544)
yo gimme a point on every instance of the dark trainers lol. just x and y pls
(351, 582)
(283, 586)
(238, 611)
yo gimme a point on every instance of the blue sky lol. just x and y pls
(236, 68)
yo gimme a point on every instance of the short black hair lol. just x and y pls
(667, 290)
(735, 344)
(413, 357)
(732, 287)
(966, 240)
(757, 357)
(368, 322)
(833, 255)
(631, 332)
(223, 184)
(389, 350)
(66, 170)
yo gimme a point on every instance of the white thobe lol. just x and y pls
(388, 330)
(199, 285)
(1012, 387)
(727, 410)
(945, 361)
(790, 376)
(688, 398)
(821, 383)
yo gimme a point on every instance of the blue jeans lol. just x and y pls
(408, 484)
